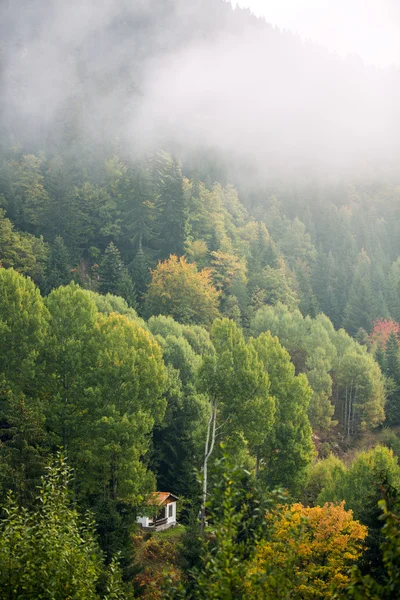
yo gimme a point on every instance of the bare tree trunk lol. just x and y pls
(258, 462)
(354, 411)
(349, 414)
(209, 447)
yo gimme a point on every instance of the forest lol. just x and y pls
(177, 317)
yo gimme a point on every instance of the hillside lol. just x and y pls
(199, 294)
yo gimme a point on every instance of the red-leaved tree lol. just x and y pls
(382, 330)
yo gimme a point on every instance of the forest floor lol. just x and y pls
(346, 450)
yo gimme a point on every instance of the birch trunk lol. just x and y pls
(208, 449)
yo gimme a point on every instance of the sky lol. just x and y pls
(181, 75)
(369, 28)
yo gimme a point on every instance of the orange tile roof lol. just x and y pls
(162, 497)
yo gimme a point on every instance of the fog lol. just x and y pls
(190, 75)
(369, 28)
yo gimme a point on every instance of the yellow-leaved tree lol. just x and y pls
(178, 289)
(307, 554)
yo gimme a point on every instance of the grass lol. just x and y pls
(172, 532)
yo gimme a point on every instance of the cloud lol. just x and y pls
(194, 74)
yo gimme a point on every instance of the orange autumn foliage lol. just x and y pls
(157, 563)
(179, 290)
(308, 553)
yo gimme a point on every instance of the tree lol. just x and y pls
(307, 553)
(140, 273)
(23, 327)
(392, 371)
(275, 286)
(361, 486)
(287, 451)
(237, 388)
(325, 283)
(312, 351)
(52, 551)
(323, 474)
(97, 216)
(139, 210)
(30, 199)
(360, 309)
(179, 290)
(23, 330)
(58, 266)
(358, 391)
(21, 251)
(296, 244)
(61, 217)
(366, 587)
(172, 209)
(383, 329)
(341, 372)
(114, 277)
(105, 377)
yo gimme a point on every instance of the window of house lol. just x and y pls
(170, 510)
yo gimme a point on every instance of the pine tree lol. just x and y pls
(360, 309)
(325, 285)
(172, 212)
(392, 370)
(126, 289)
(140, 273)
(139, 212)
(110, 270)
(58, 269)
(62, 217)
(114, 277)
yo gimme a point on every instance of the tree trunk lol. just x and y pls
(209, 447)
(258, 462)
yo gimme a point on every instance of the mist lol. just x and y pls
(192, 75)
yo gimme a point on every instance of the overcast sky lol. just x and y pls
(369, 28)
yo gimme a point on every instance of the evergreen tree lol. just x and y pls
(140, 273)
(392, 370)
(325, 285)
(360, 310)
(61, 218)
(58, 270)
(110, 270)
(173, 215)
(139, 211)
(114, 277)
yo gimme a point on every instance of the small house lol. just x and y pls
(162, 512)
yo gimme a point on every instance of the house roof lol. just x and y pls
(164, 497)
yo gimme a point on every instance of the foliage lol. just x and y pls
(197, 300)
(361, 486)
(114, 277)
(58, 266)
(366, 587)
(157, 562)
(287, 451)
(382, 330)
(345, 379)
(307, 553)
(51, 551)
(21, 251)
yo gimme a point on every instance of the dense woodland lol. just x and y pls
(170, 323)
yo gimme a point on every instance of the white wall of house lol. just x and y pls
(171, 512)
(143, 521)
